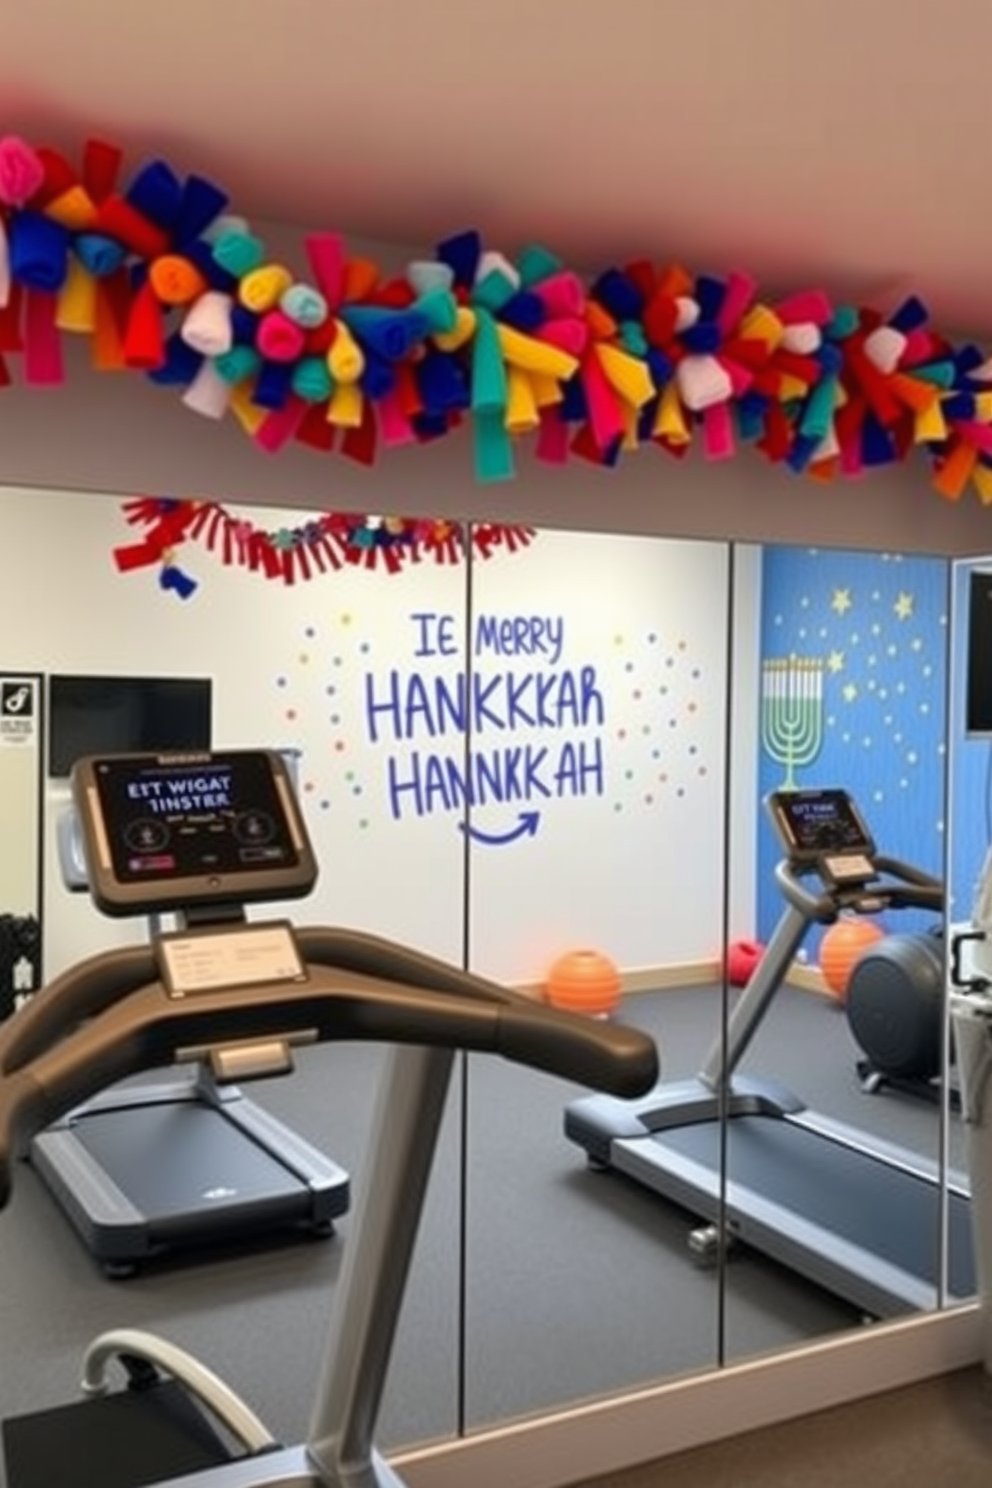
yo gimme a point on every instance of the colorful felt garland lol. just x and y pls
(318, 545)
(165, 282)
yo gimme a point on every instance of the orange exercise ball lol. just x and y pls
(584, 981)
(842, 946)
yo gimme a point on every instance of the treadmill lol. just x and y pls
(187, 1161)
(231, 987)
(861, 1217)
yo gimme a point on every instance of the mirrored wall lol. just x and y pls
(561, 748)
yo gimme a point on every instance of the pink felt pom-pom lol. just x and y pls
(278, 338)
(21, 171)
(808, 304)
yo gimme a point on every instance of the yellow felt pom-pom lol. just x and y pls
(521, 406)
(345, 359)
(464, 331)
(347, 406)
(670, 421)
(533, 355)
(76, 307)
(262, 288)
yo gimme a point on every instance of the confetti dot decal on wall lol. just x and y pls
(663, 692)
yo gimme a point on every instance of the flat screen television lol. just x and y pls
(124, 715)
(978, 676)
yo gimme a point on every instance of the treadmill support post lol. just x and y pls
(724, 1057)
(378, 1251)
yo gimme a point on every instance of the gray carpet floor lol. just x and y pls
(536, 1282)
(937, 1433)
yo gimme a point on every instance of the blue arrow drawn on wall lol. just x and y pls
(527, 824)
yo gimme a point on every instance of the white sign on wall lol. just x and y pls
(20, 832)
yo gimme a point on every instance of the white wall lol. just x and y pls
(627, 853)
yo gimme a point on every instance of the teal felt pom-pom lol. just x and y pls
(537, 263)
(439, 308)
(239, 253)
(237, 364)
(312, 380)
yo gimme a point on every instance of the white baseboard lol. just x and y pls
(610, 1435)
(676, 975)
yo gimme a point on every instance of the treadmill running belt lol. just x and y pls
(864, 1200)
(172, 1160)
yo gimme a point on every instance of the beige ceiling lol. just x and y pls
(834, 142)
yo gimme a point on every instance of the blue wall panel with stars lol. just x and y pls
(853, 683)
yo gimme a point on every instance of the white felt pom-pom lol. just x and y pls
(206, 327)
(702, 382)
(422, 275)
(492, 262)
(883, 348)
(208, 393)
(828, 446)
(978, 374)
(803, 339)
(686, 313)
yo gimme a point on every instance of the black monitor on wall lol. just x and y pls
(978, 674)
(124, 715)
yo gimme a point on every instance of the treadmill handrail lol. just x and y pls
(85, 989)
(71, 998)
(147, 1029)
(900, 885)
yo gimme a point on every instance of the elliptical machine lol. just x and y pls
(244, 995)
(895, 1011)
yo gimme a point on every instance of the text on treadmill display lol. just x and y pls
(167, 820)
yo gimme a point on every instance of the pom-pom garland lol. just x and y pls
(165, 281)
(319, 545)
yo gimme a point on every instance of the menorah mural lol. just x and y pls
(792, 712)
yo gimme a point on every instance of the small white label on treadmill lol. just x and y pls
(856, 865)
(209, 961)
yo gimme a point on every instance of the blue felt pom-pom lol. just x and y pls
(273, 385)
(378, 376)
(619, 295)
(461, 253)
(174, 580)
(39, 251)
(442, 383)
(660, 366)
(99, 255)
(573, 408)
(959, 406)
(524, 311)
(709, 294)
(877, 445)
(180, 366)
(703, 338)
(200, 205)
(430, 425)
(157, 193)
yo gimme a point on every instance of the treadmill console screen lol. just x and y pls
(166, 831)
(813, 824)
